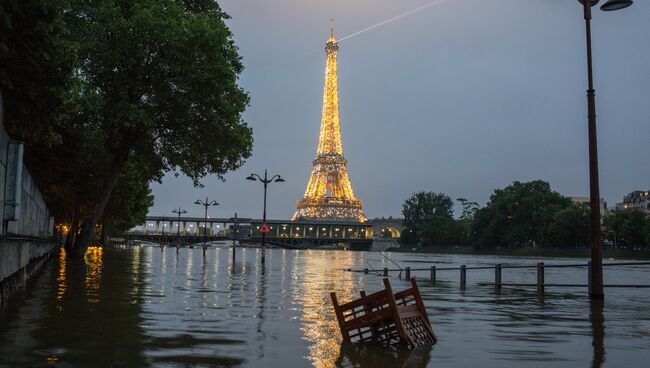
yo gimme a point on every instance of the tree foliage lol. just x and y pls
(131, 90)
(421, 204)
(428, 218)
(440, 230)
(627, 227)
(469, 209)
(520, 214)
(36, 60)
(570, 227)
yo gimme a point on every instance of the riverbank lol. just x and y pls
(19, 260)
(527, 252)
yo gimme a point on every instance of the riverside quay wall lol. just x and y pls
(26, 234)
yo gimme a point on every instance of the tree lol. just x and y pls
(36, 60)
(520, 214)
(420, 204)
(627, 227)
(440, 230)
(409, 236)
(159, 83)
(469, 209)
(570, 226)
(130, 201)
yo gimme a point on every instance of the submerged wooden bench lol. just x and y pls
(386, 318)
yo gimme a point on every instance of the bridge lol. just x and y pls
(387, 227)
(283, 233)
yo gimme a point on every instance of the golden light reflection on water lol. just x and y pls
(61, 279)
(319, 324)
(93, 281)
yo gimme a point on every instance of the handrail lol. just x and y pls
(513, 266)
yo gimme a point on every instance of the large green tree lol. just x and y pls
(129, 203)
(570, 227)
(422, 204)
(428, 218)
(520, 214)
(36, 60)
(627, 227)
(161, 76)
(440, 230)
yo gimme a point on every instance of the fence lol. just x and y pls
(498, 268)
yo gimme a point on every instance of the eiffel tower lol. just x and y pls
(329, 194)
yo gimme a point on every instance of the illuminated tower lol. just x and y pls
(329, 194)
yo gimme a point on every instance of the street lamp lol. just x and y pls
(265, 181)
(207, 203)
(179, 211)
(596, 291)
(235, 228)
(162, 237)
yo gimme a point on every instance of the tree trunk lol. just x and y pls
(103, 237)
(74, 228)
(88, 227)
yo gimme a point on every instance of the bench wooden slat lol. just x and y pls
(379, 317)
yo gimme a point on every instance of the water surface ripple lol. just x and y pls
(143, 306)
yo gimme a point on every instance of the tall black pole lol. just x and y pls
(205, 204)
(266, 182)
(596, 291)
(178, 228)
(162, 238)
(205, 225)
(179, 212)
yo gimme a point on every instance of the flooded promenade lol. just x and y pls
(140, 307)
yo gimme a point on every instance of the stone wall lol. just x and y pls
(25, 243)
(20, 259)
(34, 219)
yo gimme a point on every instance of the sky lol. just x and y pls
(460, 97)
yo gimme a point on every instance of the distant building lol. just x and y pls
(585, 201)
(638, 199)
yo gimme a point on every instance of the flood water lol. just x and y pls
(143, 306)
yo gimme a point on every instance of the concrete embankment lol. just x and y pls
(26, 225)
(19, 260)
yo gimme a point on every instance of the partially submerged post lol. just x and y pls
(497, 277)
(463, 276)
(540, 278)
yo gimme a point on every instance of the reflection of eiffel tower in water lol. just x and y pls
(329, 194)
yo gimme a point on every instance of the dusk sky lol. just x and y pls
(460, 97)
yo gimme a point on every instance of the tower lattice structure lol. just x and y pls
(329, 194)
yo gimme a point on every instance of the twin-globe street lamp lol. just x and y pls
(265, 181)
(596, 274)
(179, 211)
(207, 203)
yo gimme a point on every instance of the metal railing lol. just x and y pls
(498, 268)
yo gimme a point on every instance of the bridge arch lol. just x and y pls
(390, 232)
(390, 228)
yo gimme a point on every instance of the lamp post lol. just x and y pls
(596, 290)
(179, 211)
(265, 181)
(162, 237)
(235, 228)
(207, 203)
